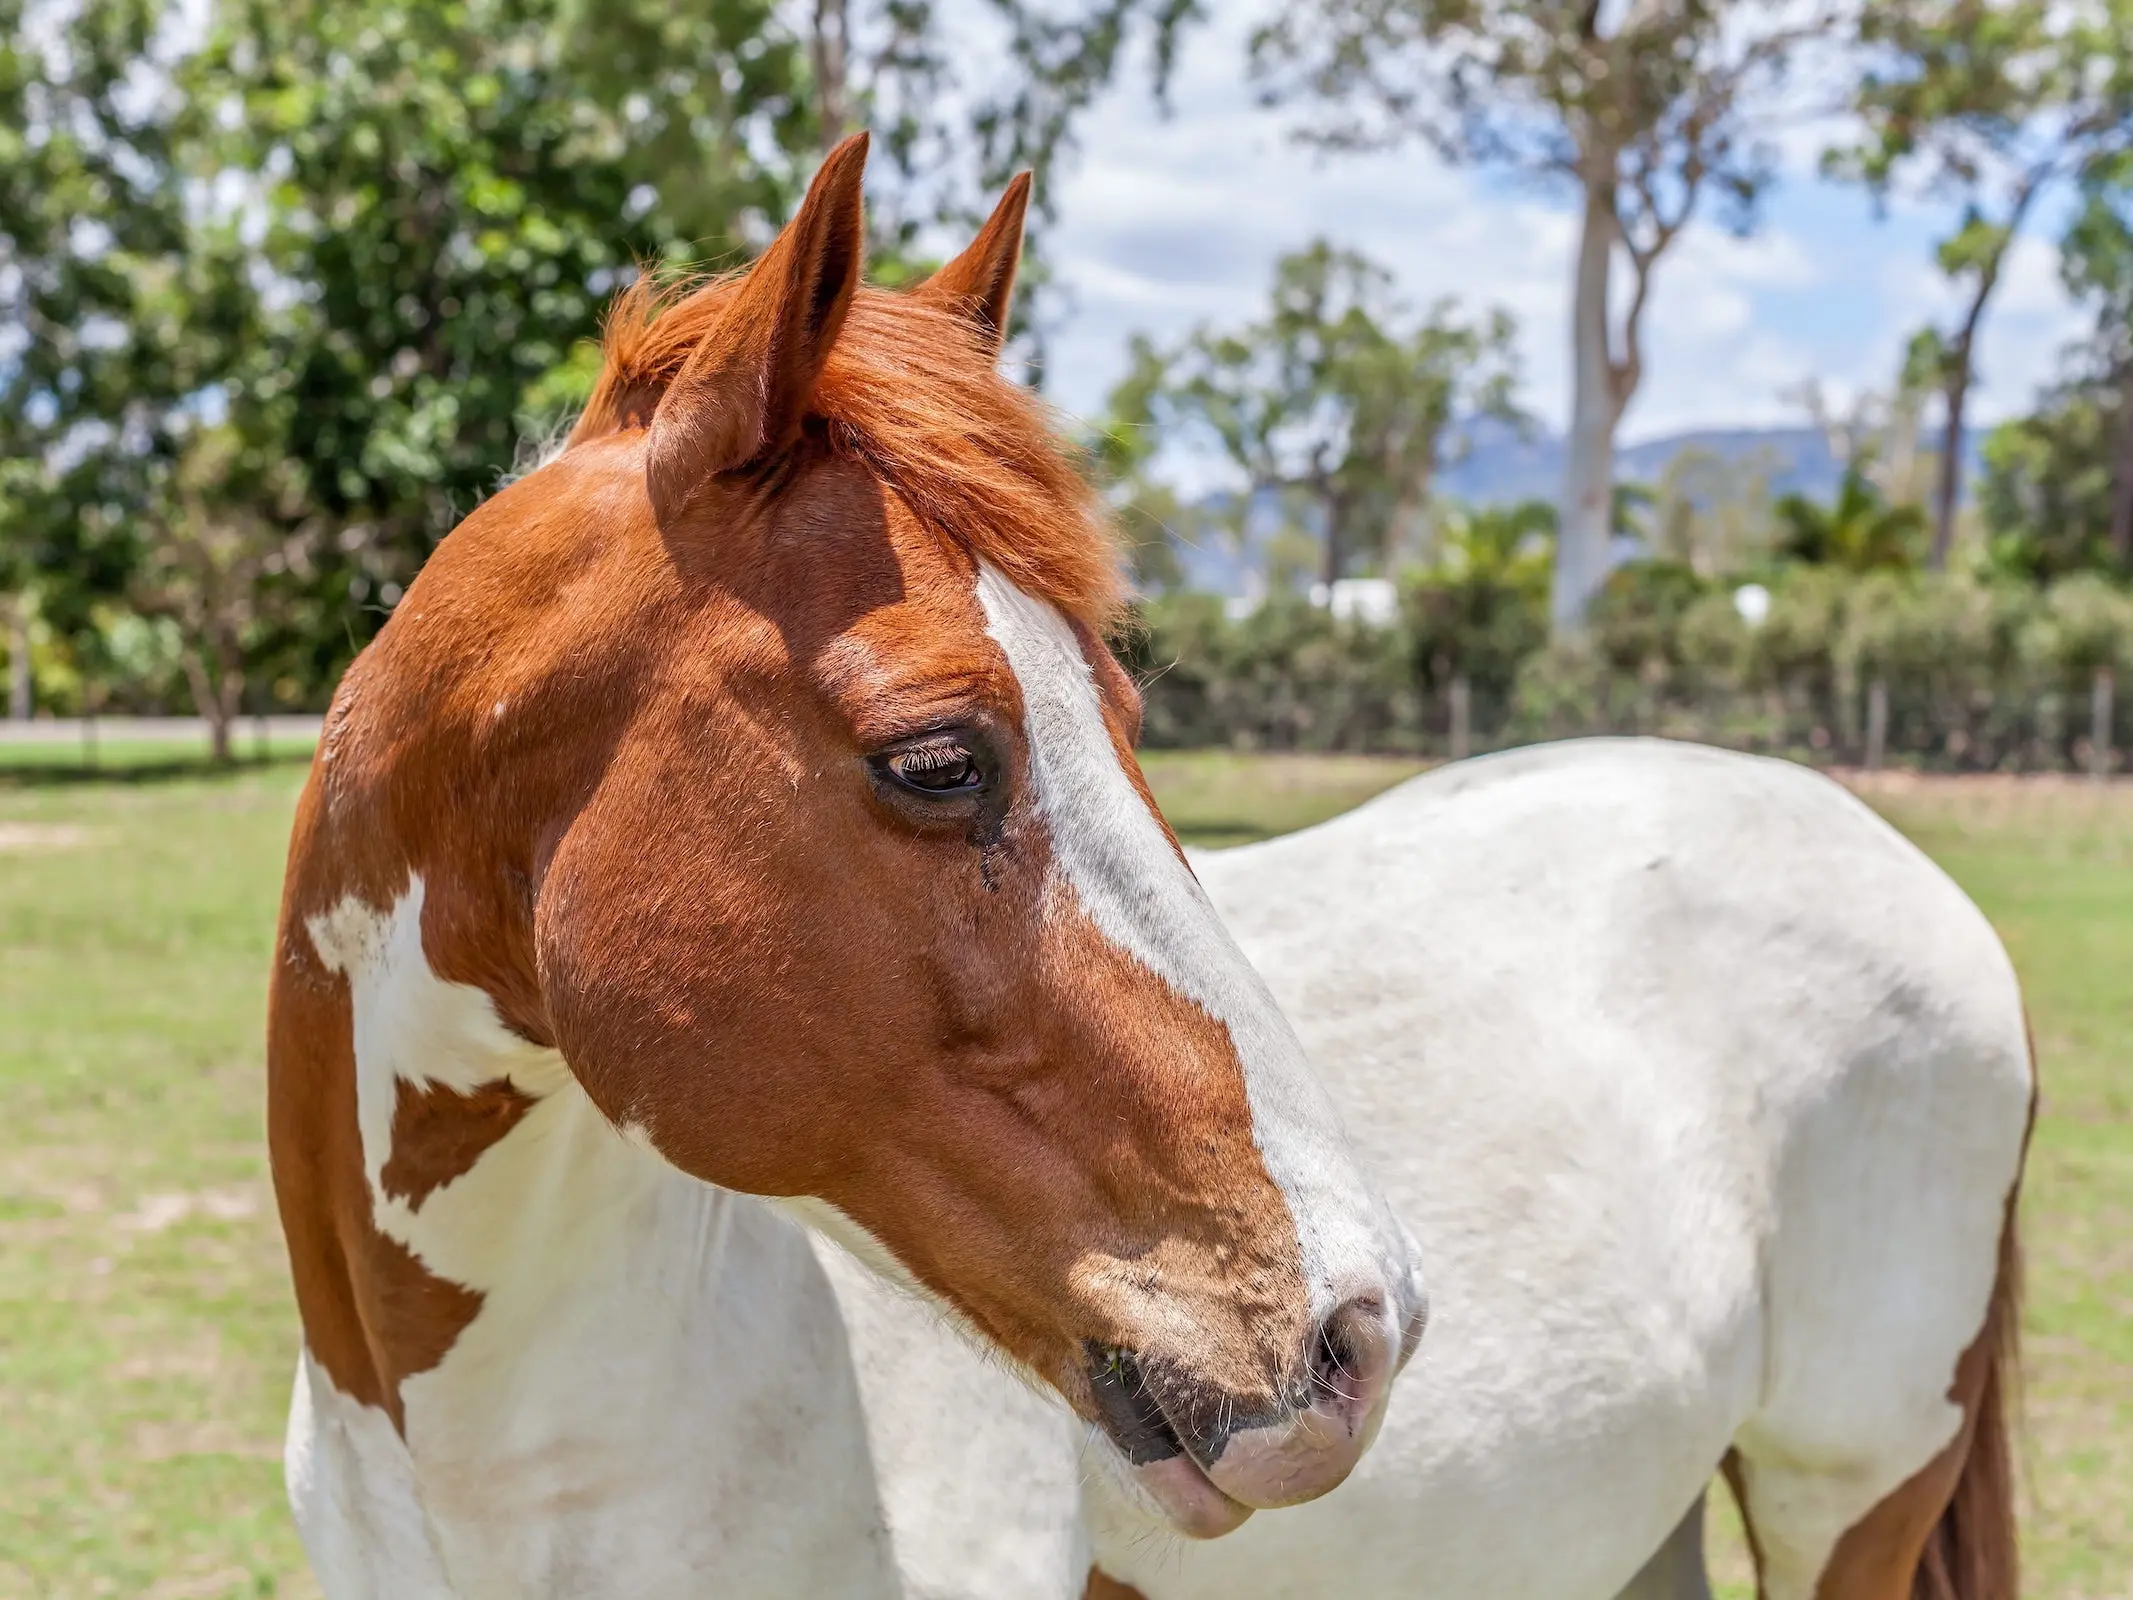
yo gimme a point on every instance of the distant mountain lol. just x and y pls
(1503, 468)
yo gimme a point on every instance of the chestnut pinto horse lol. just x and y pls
(742, 805)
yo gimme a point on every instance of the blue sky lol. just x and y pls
(1165, 222)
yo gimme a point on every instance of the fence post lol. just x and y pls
(1877, 723)
(2103, 690)
(1462, 718)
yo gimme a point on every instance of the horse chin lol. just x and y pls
(1179, 1495)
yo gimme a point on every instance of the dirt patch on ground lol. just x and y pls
(31, 837)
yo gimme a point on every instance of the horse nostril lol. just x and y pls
(1350, 1352)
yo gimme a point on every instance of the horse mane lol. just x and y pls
(907, 391)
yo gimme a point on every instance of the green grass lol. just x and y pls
(136, 760)
(146, 1335)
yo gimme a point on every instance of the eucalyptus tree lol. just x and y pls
(1643, 112)
(1988, 104)
(2096, 261)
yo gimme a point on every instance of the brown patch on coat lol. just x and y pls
(1102, 1586)
(373, 1314)
(439, 1133)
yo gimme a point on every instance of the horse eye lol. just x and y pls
(942, 769)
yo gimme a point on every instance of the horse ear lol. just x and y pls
(979, 284)
(745, 388)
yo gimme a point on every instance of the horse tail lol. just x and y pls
(1972, 1554)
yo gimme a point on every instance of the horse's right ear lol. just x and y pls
(744, 390)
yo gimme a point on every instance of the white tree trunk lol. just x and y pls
(1589, 476)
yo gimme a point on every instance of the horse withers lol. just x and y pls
(743, 805)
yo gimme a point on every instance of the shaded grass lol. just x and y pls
(146, 1335)
(137, 760)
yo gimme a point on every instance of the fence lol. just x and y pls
(1938, 673)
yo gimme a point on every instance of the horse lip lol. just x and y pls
(1127, 1411)
(1135, 1426)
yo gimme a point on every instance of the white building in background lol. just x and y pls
(1374, 602)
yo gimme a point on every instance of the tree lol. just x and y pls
(2096, 261)
(1641, 111)
(445, 197)
(1711, 510)
(219, 564)
(80, 203)
(1335, 396)
(1480, 610)
(1990, 103)
(1857, 532)
(948, 139)
(2047, 488)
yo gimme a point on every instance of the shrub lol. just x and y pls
(1977, 674)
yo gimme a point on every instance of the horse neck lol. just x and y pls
(611, 1343)
(485, 1160)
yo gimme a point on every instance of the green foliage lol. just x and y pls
(1991, 105)
(1859, 531)
(2047, 490)
(365, 247)
(1978, 674)
(2058, 486)
(1482, 608)
(1336, 397)
(81, 208)
(456, 195)
(1288, 677)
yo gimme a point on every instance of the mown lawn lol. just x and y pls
(146, 1336)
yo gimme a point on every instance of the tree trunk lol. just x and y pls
(1589, 475)
(1877, 724)
(830, 47)
(2122, 476)
(2102, 692)
(19, 683)
(213, 702)
(1335, 552)
(1950, 482)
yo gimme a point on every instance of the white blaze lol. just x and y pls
(1110, 848)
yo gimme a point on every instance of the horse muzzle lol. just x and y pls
(1208, 1460)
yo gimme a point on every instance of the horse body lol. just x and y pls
(740, 813)
(1705, 1095)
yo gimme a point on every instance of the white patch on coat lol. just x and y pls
(657, 1386)
(1130, 883)
(352, 1492)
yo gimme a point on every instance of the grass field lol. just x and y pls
(146, 1334)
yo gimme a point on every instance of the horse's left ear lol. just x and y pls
(979, 284)
(744, 390)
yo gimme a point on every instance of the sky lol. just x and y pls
(1165, 222)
